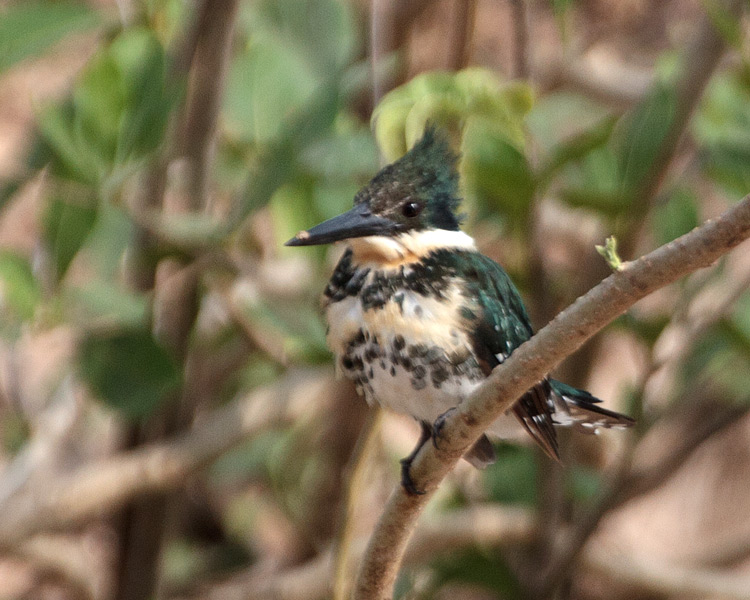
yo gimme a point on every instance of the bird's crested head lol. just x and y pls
(418, 192)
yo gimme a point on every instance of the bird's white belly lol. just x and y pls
(369, 351)
(396, 393)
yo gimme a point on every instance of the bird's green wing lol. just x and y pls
(500, 327)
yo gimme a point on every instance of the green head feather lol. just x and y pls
(423, 181)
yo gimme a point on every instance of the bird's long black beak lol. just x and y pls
(357, 222)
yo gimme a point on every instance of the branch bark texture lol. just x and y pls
(529, 364)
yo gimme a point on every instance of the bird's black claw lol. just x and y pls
(406, 481)
(437, 426)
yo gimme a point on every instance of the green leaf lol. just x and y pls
(485, 568)
(19, 291)
(677, 216)
(576, 147)
(583, 483)
(266, 83)
(99, 101)
(594, 183)
(148, 98)
(727, 24)
(103, 302)
(496, 173)
(319, 32)
(276, 164)
(513, 478)
(561, 116)
(728, 163)
(28, 29)
(111, 236)
(300, 328)
(609, 252)
(722, 126)
(66, 227)
(62, 144)
(128, 371)
(342, 157)
(451, 100)
(642, 135)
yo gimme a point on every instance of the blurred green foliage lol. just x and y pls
(29, 28)
(128, 370)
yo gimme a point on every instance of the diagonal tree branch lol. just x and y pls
(529, 364)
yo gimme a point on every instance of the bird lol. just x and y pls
(418, 318)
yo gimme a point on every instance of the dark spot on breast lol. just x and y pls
(439, 375)
(467, 313)
(393, 371)
(398, 342)
(433, 355)
(399, 299)
(419, 372)
(347, 363)
(418, 384)
(355, 283)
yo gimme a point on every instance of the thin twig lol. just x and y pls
(529, 364)
(520, 39)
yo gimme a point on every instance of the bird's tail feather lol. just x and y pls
(579, 409)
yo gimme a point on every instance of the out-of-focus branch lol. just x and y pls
(461, 33)
(699, 61)
(143, 523)
(38, 457)
(520, 39)
(627, 483)
(529, 364)
(69, 561)
(390, 22)
(98, 488)
(667, 579)
(485, 526)
(633, 479)
(359, 469)
(639, 482)
(207, 85)
(597, 74)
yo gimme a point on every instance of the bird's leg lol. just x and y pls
(437, 426)
(406, 481)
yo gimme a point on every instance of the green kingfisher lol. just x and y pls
(418, 317)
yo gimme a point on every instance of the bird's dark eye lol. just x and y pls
(411, 209)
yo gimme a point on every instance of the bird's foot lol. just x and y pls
(406, 481)
(437, 426)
